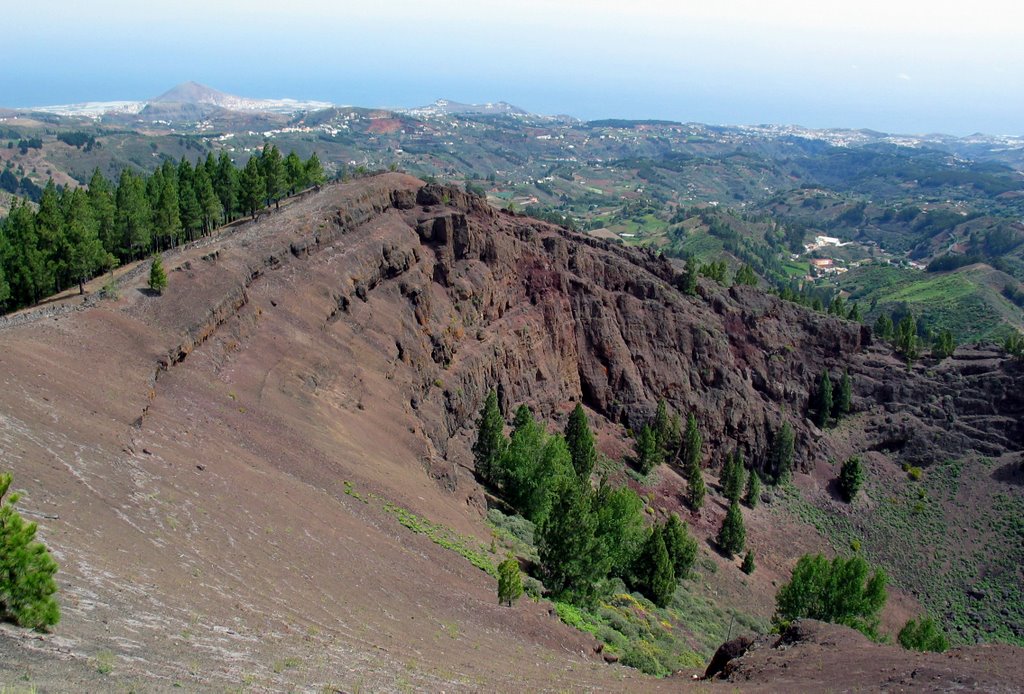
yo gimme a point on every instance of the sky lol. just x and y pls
(893, 65)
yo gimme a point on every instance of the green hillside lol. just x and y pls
(967, 301)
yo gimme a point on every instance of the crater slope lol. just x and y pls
(220, 469)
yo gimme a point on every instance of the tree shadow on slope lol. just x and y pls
(1011, 473)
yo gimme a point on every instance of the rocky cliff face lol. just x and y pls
(548, 317)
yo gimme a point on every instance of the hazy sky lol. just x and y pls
(914, 67)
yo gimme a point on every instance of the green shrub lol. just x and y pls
(839, 591)
(924, 635)
(620, 622)
(157, 276)
(110, 291)
(613, 638)
(576, 617)
(105, 663)
(515, 531)
(643, 656)
(533, 588)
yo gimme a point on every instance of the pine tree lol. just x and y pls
(554, 463)
(531, 465)
(510, 582)
(50, 232)
(944, 346)
(843, 403)
(837, 307)
(733, 535)
(851, 478)
(646, 447)
(209, 166)
(690, 278)
(906, 337)
(745, 275)
(681, 546)
(620, 526)
(737, 479)
(748, 563)
(251, 187)
(566, 543)
(753, 494)
(104, 211)
(655, 572)
(5, 253)
(490, 440)
(294, 173)
(272, 168)
(209, 203)
(314, 170)
(24, 260)
(5, 288)
(225, 184)
(695, 488)
(157, 276)
(675, 438)
(27, 586)
(134, 216)
(854, 313)
(85, 253)
(522, 417)
(580, 440)
(662, 429)
(166, 215)
(883, 327)
(515, 471)
(823, 400)
(189, 210)
(725, 474)
(780, 458)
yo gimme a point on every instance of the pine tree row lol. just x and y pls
(77, 233)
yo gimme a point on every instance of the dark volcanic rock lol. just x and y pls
(727, 652)
(549, 316)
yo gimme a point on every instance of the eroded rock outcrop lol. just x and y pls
(813, 656)
(549, 316)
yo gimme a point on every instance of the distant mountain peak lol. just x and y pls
(193, 93)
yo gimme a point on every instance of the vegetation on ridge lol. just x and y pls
(77, 233)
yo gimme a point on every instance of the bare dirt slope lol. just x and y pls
(186, 458)
(218, 468)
